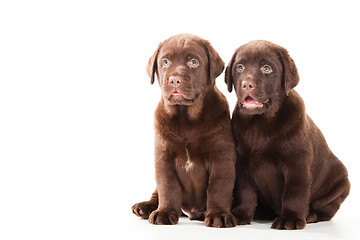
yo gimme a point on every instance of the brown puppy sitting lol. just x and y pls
(285, 169)
(195, 153)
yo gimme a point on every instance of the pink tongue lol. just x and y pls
(250, 100)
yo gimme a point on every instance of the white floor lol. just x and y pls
(335, 229)
(99, 222)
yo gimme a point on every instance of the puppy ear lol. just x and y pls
(151, 68)
(215, 63)
(290, 74)
(228, 74)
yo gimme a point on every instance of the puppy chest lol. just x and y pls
(189, 159)
(268, 179)
(193, 178)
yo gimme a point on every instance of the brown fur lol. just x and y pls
(285, 169)
(196, 127)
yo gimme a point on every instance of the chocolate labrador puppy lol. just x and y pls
(195, 152)
(285, 169)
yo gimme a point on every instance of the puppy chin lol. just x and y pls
(179, 99)
(193, 105)
(268, 110)
(252, 111)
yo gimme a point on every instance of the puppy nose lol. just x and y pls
(248, 85)
(175, 81)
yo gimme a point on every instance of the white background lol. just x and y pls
(76, 107)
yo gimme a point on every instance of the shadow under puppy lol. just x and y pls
(195, 152)
(285, 169)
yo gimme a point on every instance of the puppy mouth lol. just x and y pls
(176, 93)
(252, 104)
(179, 98)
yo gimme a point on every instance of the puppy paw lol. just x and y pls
(241, 218)
(164, 217)
(219, 219)
(288, 223)
(144, 209)
(200, 216)
(312, 217)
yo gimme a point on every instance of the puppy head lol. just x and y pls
(262, 74)
(186, 66)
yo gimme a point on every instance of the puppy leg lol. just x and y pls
(144, 209)
(295, 199)
(324, 208)
(245, 200)
(219, 193)
(168, 187)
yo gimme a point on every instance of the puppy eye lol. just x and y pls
(266, 69)
(165, 62)
(193, 63)
(239, 68)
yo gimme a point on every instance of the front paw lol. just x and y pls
(219, 219)
(144, 209)
(241, 217)
(164, 217)
(288, 223)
